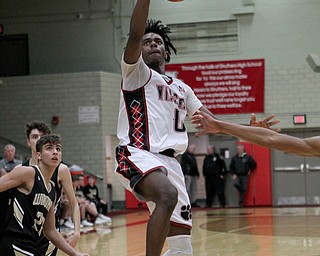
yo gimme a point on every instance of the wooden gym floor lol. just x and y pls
(267, 231)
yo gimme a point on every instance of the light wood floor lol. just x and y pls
(218, 232)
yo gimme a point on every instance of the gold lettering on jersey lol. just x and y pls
(166, 94)
(42, 199)
(38, 223)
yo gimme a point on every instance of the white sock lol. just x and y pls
(179, 245)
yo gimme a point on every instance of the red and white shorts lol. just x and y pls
(134, 163)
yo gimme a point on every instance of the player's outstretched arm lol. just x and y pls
(56, 238)
(66, 182)
(267, 122)
(137, 27)
(257, 135)
(14, 179)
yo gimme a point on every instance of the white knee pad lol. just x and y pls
(179, 245)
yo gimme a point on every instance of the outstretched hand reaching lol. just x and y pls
(265, 123)
(206, 124)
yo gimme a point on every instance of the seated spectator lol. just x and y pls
(86, 207)
(75, 170)
(91, 192)
(64, 213)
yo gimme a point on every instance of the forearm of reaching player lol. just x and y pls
(66, 182)
(271, 139)
(207, 111)
(138, 19)
(54, 236)
(14, 179)
(73, 239)
(267, 122)
(137, 27)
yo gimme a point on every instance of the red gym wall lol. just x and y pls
(260, 184)
(132, 202)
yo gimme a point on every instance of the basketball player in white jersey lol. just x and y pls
(151, 131)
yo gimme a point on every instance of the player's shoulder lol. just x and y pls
(26, 170)
(63, 169)
(183, 87)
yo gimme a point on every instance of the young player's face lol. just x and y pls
(81, 181)
(34, 136)
(153, 49)
(50, 155)
(91, 181)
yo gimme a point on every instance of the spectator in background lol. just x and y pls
(240, 168)
(64, 215)
(6, 165)
(86, 207)
(91, 192)
(9, 161)
(191, 173)
(81, 182)
(213, 172)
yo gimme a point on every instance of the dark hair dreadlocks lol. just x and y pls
(153, 26)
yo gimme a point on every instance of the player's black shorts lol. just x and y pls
(12, 246)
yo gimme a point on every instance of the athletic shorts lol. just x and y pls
(134, 163)
(13, 246)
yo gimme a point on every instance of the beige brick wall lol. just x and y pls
(43, 96)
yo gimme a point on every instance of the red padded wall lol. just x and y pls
(132, 202)
(260, 184)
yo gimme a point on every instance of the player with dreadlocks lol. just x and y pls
(151, 132)
(153, 26)
(153, 107)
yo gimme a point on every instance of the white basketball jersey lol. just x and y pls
(153, 108)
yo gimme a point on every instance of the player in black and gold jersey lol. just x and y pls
(31, 210)
(62, 180)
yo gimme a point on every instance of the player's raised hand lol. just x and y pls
(73, 240)
(265, 123)
(205, 123)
